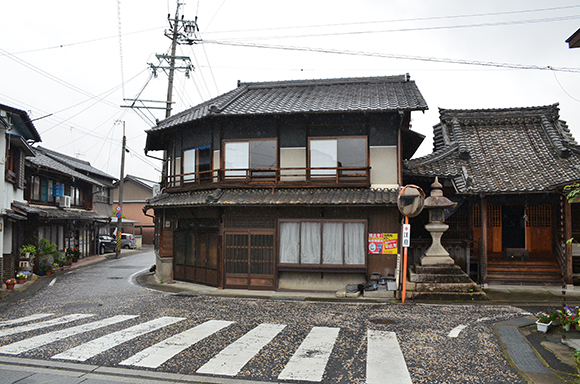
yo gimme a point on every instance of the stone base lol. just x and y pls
(442, 282)
(437, 260)
(380, 294)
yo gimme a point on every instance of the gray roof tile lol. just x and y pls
(388, 93)
(511, 150)
(269, 197)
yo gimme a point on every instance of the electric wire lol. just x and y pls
(564, 90)
(121, 47)
(394, 56)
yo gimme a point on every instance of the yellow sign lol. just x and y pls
(383, 243)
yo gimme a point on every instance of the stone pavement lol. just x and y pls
(540, 358)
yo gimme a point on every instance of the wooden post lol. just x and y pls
(568, 235)
(483, 254)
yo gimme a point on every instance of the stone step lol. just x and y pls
(471, 296)
(443, 287)
(438, 278)
(438, 269)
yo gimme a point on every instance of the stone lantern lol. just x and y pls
(436, 203)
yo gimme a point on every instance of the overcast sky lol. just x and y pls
(64, 62)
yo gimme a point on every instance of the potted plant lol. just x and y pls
(22, 276)
(567, 317)
(10, 283)
(48, 267)
(545, 320)
(27, 250)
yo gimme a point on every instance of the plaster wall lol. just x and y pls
(293, 158)
(383, 162)
(317, 281)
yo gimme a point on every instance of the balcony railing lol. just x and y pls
(270, 177)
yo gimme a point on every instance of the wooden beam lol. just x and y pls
(568, 248)
(483, 244)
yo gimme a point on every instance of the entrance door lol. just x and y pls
(249, 260)
(196, 257)
(513, 226)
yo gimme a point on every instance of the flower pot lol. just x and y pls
(543, 327)
(566, 327)
(48, 273)
(9, 286)
(21, 281)
(41, 273)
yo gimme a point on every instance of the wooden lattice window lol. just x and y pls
(539, 216)
(493, 216)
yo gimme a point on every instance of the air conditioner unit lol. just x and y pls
(64, 201)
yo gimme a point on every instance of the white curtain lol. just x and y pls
(354, 243)
(332, 243)
(237, 157)
(323, 153)
(310, 243)
(289, 242)
(189, 164)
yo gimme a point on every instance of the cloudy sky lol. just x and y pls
(72, 63)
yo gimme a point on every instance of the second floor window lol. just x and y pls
(328, 154)
(259, 156)
(197, 164)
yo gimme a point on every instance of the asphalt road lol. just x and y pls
(121, 324)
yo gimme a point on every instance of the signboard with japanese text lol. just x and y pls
(406, 235)
(383, 243)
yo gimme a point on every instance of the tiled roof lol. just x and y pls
(55, 213)
(41, 160)
(22, 121)
(511, 150)
(79, 165)
(379, 94)
(277, 197)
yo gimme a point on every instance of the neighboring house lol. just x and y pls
(277, 185)
(102, 193)
(17, 133)
(506, 168)
(60, 205)
(574, 40)
(136, 191)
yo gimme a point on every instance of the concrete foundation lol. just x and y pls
(164, 268)
(318, 281)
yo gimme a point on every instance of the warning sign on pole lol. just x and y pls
(406, 241)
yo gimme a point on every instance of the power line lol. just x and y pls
(393, 56)
(491, 24)
(398, 20)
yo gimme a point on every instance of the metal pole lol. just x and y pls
(120, 212)
(405, 267)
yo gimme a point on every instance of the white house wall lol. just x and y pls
(383, 167)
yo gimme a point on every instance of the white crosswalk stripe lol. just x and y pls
(233, 358)
(309, 361)
(92, 348)
(51, 337)
(44, 324)
(25, 319)
(385, 361)
(159, 353)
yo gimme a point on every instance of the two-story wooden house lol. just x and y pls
(277, 185)
(17, 132)
(59, 205)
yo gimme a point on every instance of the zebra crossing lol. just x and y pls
(385, 362)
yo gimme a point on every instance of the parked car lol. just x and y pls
(107, 244)
(128, 241)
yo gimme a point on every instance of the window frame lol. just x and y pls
(332, 173)
(240, 172)
(321, 265)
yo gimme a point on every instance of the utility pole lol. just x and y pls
(119, 207)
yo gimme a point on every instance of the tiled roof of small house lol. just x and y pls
(56, 213)
(80, 165)
(499, 151)
(42, 160)
(378, 94)
(278, 197)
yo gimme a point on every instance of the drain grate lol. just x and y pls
(382, 321)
